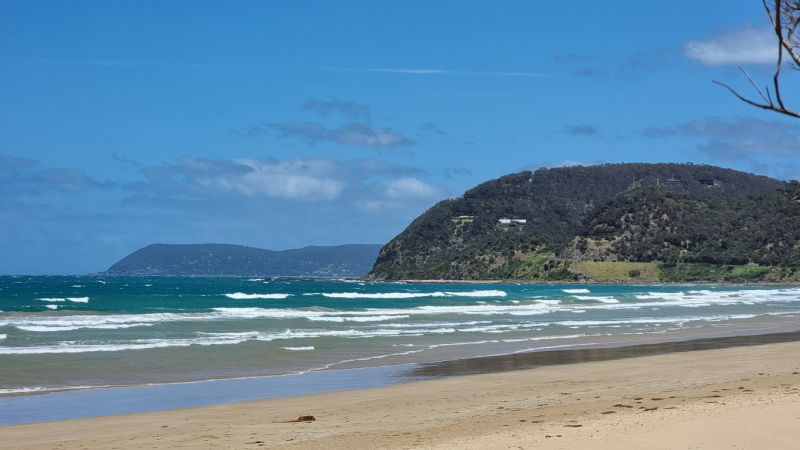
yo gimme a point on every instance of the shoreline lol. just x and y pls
(101, 401)
(709, 398)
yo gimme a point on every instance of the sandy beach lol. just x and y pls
(742, 397)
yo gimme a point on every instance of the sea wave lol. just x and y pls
(207, 339)
(403, 295)
(575, 291)
(385, 295)
(24, 390)
(653, 320)
(380, 318)
(310, 347)
(699, 298)
(36, 322)
(597, 298)
(243, 296)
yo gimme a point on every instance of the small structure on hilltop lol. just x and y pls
(508, 223)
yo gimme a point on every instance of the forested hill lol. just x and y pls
(352, 260)
(633, 213)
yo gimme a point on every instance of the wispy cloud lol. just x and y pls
(452, 172)
(739, 139)
(430, 127)
(22, 176)
(588, 72)
(650, 60)
(744, 45)
(445, 72)
(347, 109)
(125, 161)
(180, 65)
(582, 130)
(352, 134)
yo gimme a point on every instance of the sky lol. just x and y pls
(282, 124)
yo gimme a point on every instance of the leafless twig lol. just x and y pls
(784, 15)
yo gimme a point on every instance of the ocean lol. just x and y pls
(77, 333)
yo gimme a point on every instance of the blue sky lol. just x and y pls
(283, 124)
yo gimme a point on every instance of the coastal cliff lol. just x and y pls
(607, 223)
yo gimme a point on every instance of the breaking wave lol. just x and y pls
(242, 296)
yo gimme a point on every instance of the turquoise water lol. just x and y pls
(81, 332)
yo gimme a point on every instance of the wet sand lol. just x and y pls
(738, 397)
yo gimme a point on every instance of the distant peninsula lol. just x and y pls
(625, 223)
(352, 260)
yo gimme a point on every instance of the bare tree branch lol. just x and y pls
(767, 106)
(784, 15)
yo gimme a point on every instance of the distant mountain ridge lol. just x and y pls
(350, 260)
(612, 222)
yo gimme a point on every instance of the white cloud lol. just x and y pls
(293, 179)
(310, 179)
(403, 194)
(744, 45)
(360, 182)
(408, 187)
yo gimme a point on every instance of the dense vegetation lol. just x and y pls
(238, 260)
(667, 215)
(647, 224)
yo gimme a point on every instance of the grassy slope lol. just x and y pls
(550, 269)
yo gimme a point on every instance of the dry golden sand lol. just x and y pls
(736, 398)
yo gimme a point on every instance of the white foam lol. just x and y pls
(52, 299)
(3, 336)
(403, 295)
(654, 320)
(310, 347)
(242, 296)
(20, 390)
(51, 306)
(114, 321)
(488, 293)
(597, 299)
(575, 291)
(381, 318)
(207, 339)
(78, 299)
(397, 295)
(549, 302)
(698, 298)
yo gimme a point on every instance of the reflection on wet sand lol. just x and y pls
(530, 360)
